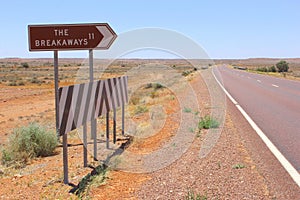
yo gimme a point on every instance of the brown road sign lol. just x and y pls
(70, 36)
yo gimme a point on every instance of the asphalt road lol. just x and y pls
(272, 103)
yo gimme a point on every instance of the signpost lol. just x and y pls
(70, 37)
(58, 37)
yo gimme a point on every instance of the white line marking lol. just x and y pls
(275, 85)
(259, 81)
(283, 161)
(229, 96)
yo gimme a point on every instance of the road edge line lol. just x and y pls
(283, 161)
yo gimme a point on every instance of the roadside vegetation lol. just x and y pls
(93, 180)
(191, 195)
(26, 143)
(208, 122)
(238, 166)
(266, 69)
(280, 67)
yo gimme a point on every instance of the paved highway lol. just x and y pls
(272, 103)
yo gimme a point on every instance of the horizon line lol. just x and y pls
(154, 58)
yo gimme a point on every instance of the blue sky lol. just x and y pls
(225, 29)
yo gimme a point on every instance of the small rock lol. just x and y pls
(18, 176)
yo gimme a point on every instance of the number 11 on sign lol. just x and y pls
(91, 36)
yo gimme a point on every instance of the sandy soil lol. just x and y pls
(215, 176)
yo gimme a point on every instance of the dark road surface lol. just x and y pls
(272, 103)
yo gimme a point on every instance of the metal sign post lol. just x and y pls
(114, 126)
(56, 92)
(71, 37)
(107, 130)
(94, 121)
(123, 118)
(65, 138)
(84, 136)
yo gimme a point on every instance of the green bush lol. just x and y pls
(208, 122)
(134, 100)
(262, 69)
(35, 80)
(28, 142)
(25, 65)
(96, 178)
(14, 83)
(148, 85)
(186, 73)
(238, 166)
(187, 110)
(140, 110)
(266, 69)
(282, 66)
(158, 86)
(192, 196)
(21, 83)
(272, 69)
(153, 94)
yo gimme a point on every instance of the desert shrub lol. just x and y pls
(35, 80)
(21, 83)
(134, 100)
(266, 69)
(262, 69)
(28, 142)
(94, 179)
(186, 73)
(141, 109)
(272, 69)
(148, 85)
(158, 86)
(153, 94)
(25, 65)
(282, 66)
(208, 122)
(238, 166)
(13, 83)
(187, 110)
(191, 195)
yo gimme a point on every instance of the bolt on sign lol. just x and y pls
(70, 37)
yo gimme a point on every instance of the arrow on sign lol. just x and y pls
(70, 37)
(108, 37)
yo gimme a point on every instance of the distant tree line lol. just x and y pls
(281, 66)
